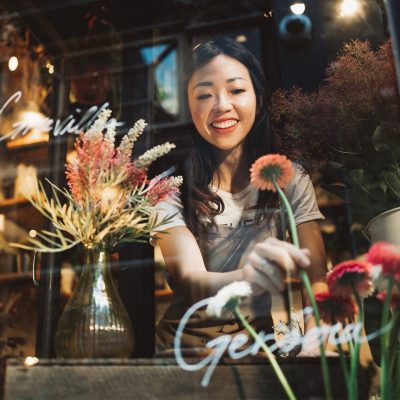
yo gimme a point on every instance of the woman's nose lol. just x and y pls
(223, 103)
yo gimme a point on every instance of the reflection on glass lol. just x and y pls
(156, 81)
(166, 85)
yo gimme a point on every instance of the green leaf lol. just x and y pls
(361, 178)
(359, 198)
(393, 182)
(378, 195)
(334, 164)
(379, 139)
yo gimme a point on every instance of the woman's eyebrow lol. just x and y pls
(234, 79)
(209, 83)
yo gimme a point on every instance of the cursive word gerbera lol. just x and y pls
(234, 346)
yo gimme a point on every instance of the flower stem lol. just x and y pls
(271, 357)
(324, 361)
(352, 387)
(345, 367)
(396, 375)
(394, 340)
(307, 284)
(293, 233)
(292, 224)
(385, 389)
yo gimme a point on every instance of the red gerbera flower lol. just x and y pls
(335, 308)
(269, 167)
(388, 256)
(350, 276)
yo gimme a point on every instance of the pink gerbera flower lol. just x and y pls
(334, 308)
(271, 167)
(350, 277)
(387, 256)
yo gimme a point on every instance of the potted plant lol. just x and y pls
(348, 130)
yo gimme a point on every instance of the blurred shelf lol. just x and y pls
(15, 277)
(26, 144)
(163, 294)
(16, 201)
(331, 203)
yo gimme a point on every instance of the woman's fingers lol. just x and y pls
(261, 281)
(268, 263)
(267, 271)
(286, 255)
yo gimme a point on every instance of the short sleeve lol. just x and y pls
(301, 196)
(171, 210)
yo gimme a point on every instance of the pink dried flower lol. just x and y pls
(135, 176)
(335, 308)
(162, 190)
(271, 167)
(350, 277)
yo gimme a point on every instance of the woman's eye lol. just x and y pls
(237, 91)
(203, 96)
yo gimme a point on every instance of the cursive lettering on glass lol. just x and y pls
(233, 346)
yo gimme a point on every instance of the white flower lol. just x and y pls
(96, 130)
(110, 133)
(178, 180)
(126, 146)
(147, 158)
(228, 297)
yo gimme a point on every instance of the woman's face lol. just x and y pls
(222, 102)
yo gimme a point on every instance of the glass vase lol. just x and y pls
(94, 323)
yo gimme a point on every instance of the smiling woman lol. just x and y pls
(225, 229)
(222, 102)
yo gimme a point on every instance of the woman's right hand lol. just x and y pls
(268, 263)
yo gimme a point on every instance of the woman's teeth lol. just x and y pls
(224, 124)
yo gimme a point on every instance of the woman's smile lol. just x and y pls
(225, 126)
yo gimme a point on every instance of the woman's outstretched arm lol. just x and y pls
(264, 270)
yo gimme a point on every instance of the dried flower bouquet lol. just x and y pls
(110, 198)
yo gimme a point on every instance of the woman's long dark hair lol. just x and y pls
(201, 204)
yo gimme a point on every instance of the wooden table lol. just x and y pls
(164, 379)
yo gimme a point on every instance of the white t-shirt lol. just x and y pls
(239, 207)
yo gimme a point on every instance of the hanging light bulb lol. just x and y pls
(50, 67)
(298, 8)
(349, 7)
(13, 63)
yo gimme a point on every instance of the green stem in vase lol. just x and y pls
(278, 371)
(385, 389)
(307, 285)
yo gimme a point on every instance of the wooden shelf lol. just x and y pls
(333, 203)
(15, 277)
(25, 144)
(163, 293)
(17, 201)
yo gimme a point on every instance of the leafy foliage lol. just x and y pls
(348, 129)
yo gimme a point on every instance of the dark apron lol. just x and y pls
(226, 250)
